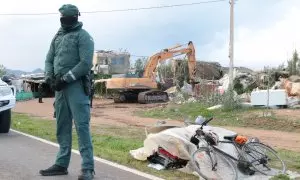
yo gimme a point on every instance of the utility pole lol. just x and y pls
(231, 46)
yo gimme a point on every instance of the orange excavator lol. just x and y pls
(145, 89)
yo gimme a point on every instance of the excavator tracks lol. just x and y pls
(145, 97)
(126, 97)
(153, 96)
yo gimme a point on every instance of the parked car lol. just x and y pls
(7, 102)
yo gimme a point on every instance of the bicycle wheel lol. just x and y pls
(213, 165)
(263, 159)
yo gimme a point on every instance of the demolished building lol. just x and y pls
(111, 62)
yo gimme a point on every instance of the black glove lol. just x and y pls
(50, 82)
(59, 83)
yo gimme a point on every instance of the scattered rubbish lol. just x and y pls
(191, 100)
(206, 88)
(292, 88)
(215, 107)
(267, 114)
(294, 78)
(245, 97)
(171, 90)
(166, 159)
(224, 81)
(293, 101)
(177, 98)
(292, 175)
(246, 79)
(187, 88)
(246, 104)
(156, 166)
(296, 107)
(277, 85)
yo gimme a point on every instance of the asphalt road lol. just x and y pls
(22, 157)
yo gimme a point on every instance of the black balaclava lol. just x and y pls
(68, 21)
(69, 16)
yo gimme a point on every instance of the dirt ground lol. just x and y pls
(106, 112)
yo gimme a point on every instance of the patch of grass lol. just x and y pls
(111, 143)
(291, 159)
(244, 117)
(177, 112)
(281, 177)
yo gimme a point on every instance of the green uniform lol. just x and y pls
(70, 56)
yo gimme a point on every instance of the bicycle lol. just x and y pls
(249, 159)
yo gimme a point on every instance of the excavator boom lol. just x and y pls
(143, 89)
(170, 53)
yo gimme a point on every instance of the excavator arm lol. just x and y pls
(150, 67)
(144, 89)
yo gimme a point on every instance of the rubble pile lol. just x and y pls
(294, 78)
(246, 84)
(208, 70)
(242, 81)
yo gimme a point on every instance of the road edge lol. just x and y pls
(104, 161)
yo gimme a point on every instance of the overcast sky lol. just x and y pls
(266, 31)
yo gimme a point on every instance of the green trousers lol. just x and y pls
(72, 103)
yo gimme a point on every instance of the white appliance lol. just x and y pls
(277, 97)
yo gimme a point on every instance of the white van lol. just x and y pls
(7, 102)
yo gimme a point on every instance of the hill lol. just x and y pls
(18, 73)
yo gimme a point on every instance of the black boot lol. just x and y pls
(86, 174)
(54, 170)
(40, 100)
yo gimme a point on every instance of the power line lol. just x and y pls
(116, 10)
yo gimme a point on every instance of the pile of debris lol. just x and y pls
(243, 81)
(208, 70)
(249, 87)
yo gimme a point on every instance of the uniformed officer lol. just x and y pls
(68, 61)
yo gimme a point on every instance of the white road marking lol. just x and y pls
(134, 171)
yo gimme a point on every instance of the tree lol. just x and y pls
(165, 71)
(296, 61)
(294, 64)
(2, 70)
(139, 66)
